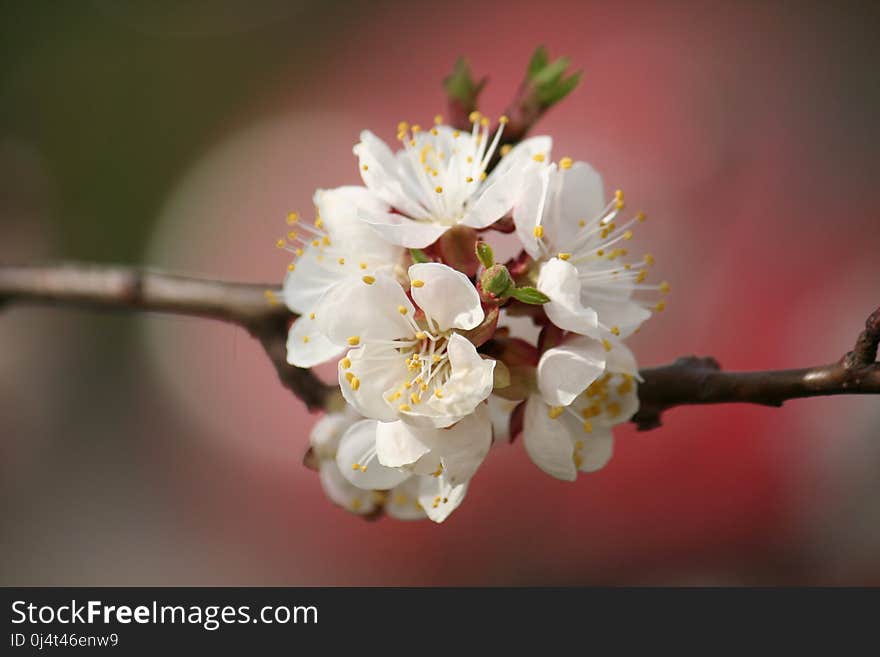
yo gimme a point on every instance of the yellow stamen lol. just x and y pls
(566, 163)
(538, 231)
(369, 280)
(417, 283)
(563, 256)
(345, 362)
(354, 340)
(402, 310)
(555, 411)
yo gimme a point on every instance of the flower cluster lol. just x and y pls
(396, 280)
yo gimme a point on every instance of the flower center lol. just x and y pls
(443, 168)
(428, 364)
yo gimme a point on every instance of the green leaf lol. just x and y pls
(552, 73)
(461, 85)
(530, 295)
(418, 255)
(485, 254)
(561, 89)
(538, 61)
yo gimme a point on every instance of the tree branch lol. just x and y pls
(254, 307)
(257, 309)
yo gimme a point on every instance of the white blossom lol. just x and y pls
(566, 225)
(405, 361)
(439, 179)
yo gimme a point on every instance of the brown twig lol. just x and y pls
(687, 381)
(253, 307)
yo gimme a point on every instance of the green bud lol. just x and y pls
(485, 254)
(496, 280)
(530, 295)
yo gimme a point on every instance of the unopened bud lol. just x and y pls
(497, 282)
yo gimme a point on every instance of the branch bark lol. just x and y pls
(258, 310)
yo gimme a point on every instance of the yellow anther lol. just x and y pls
(582, 223)
(423, 387)
(402, 310)
(299, 252)
(305, 339)
(414, 398)
(291, 267)
(345, 363)
(438, 189)
(326, 240)
(649, 259)
(349, 376)
(435, 358)
(566, 163)
(664, 287)
(435, 132)
(555, 411)
(474, 116)
(600, 252)
(369, 280)
(469, 179)
(403, 126)
(470, 159)
(624, 387)
(615, 330)
(606, 344)
(613, 409)
(421, 335)
(417, 283)
(355, 383)
(642, 276)
(316, 243)
(628, 235)
(355, 466)
(365, 167)
(660, 306)
(312, 315)
(416, 128)
(538, 231)
(407, 385)
(354, 340)
(363, 468)
(618, 194)
(640, 217)
(456, 134)
(579, 444)
(292, 235)
(588, 426)
(281, 243)
(505, 149)
(363, 265)
(319, 223)
(563, 256)
(483, 176)
(438, 119)
(438, 393)
(404, 408)
(341, 261)
(292, 218)
(539, 157)
(503, 120)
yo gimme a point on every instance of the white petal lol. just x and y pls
(403, 231)
(621, 360)
(306, 284)
(495, 201)
(381, 173)
(559, 281)
(597, 450)
(368, 311)
(625, 314)
(575, 194)
(522, 155)
(342, 492)
(340, 210)
(398, 444)
(307, 346)
(378, 368)
(564, 372)
(447, 296)
(469, 383)
(358, 447)
(432, 488)
(547, 441)
(500, 410)
(463, 446)
(403, 501)
(529, 208)
(325, 435)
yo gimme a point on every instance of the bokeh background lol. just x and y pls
(161, 450)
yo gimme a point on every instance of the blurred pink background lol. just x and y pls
(162, 450)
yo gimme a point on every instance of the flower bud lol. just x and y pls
(496, 282)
